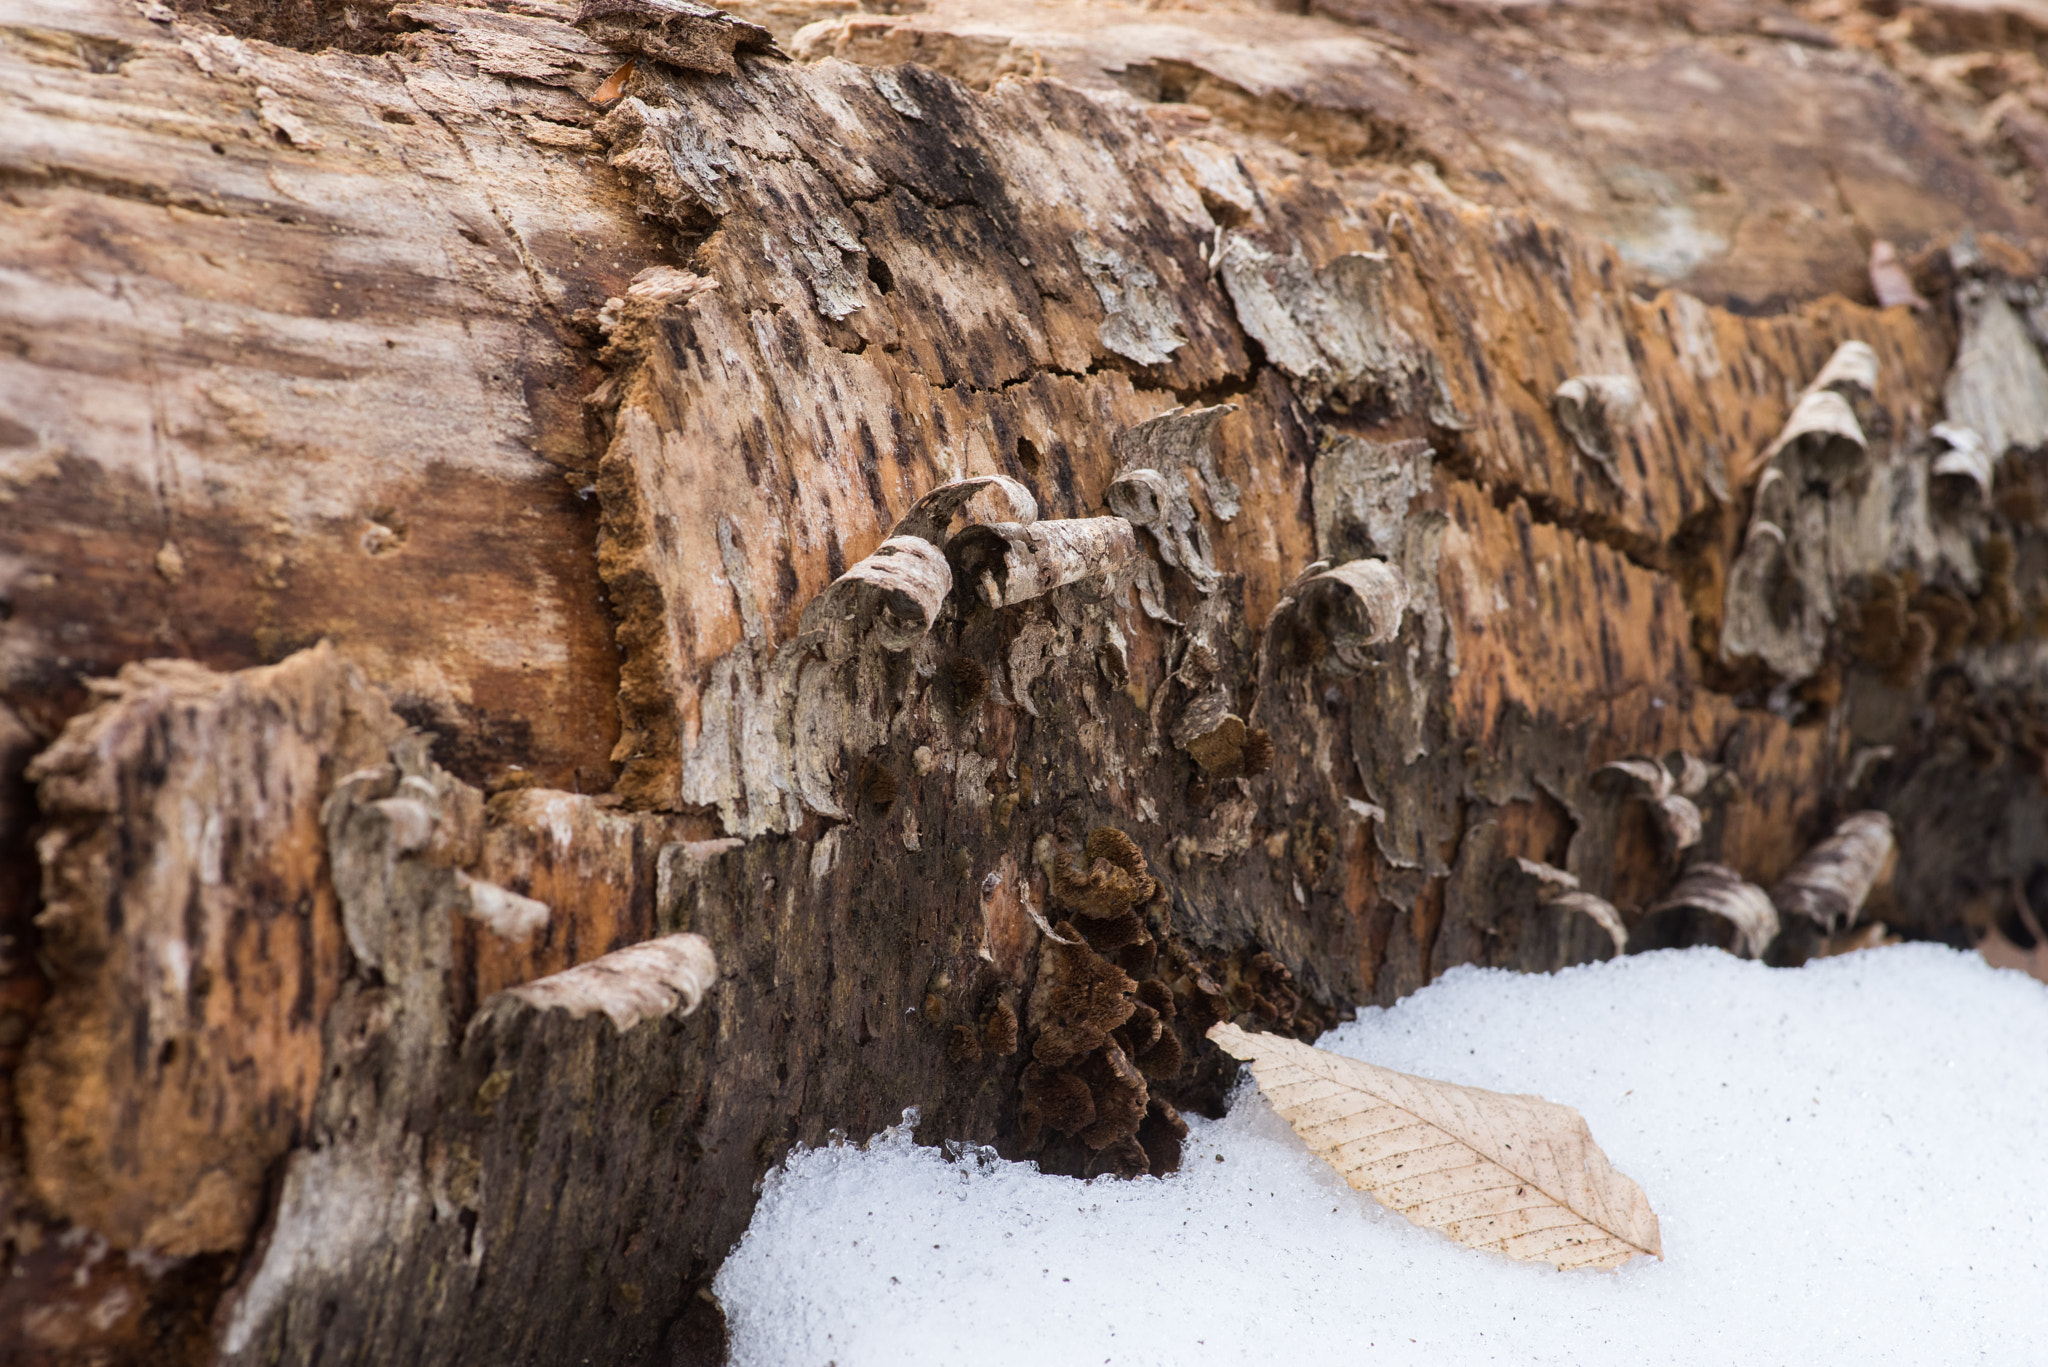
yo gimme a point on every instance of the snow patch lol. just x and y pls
(1843, 1158)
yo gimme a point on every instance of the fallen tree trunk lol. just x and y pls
(1021, 535)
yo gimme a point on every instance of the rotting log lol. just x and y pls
(555, 650)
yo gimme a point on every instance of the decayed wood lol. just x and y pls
(619, 427)
(181, 1047)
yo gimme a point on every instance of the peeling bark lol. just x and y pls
(968, 554)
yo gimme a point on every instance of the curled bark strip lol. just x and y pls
(1011, 562)
(1555, 887)
(931, 515)
(1679, 819)
(1769, 611)
(1689, 772)
(1850, 372)
(1655, 784)
(1551, 881)
(1637, 776)
(1721, 891)
(1999, 386)
(896, 593)
(640, 982)
(1357, 604)
(679, 32)
(1824, 434)
(1600, 910)
(1160, 504)
(1964, 461)
(506, 912)
(1594, 410)
(1830, 882)
(1176, 439)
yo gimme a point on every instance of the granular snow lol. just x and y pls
(1846, 1159)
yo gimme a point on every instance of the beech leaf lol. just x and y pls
(1515, 1174)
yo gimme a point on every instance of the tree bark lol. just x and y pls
(1024, 531)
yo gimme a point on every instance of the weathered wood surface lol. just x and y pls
(1390, 398)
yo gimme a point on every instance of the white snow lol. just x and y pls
(1846, 1159)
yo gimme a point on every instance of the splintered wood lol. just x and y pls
(1514, 1174)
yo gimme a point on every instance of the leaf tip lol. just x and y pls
(1232, 1040)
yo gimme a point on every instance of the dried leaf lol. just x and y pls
(1515, 1174)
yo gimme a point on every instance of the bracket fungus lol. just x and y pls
(1829, 883)
(1099, 1031)
(1747, 920)
(641, 982)
(1594, 410)
(1230, 749)
(1112, 881)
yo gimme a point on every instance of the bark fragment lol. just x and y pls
(181, 1048)
(641, 982)
(1831, 881)
(1010, 563)
(1747, 920)
(1999, 387)
(680, 32)
(1597, 410)
(1350, 607)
